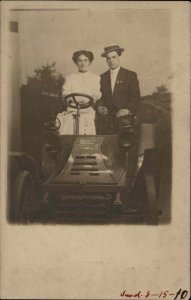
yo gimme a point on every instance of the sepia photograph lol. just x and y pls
(95, 145)
(90, 116)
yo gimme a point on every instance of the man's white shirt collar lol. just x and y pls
(113, 75)
(115, 71)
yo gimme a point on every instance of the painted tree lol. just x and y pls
(46, 80)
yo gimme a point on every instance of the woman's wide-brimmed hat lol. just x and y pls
(111, 48)
(88, 54)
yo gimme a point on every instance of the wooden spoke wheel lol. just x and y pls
(23, 197)
(152, 210)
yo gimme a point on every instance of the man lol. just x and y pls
(120, 92)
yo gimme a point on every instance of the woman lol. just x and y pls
(85, 82)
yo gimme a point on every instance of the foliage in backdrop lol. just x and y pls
(46, 80)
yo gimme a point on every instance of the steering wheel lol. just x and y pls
(74, 104)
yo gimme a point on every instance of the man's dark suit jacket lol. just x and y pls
(126, 94)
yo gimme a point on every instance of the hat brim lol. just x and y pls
(120, 50)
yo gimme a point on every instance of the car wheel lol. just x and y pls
(152, 210)
(23, 197)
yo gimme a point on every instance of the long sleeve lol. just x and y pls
(100, 101)
(67, 87)
(96, 93)
(134, 94)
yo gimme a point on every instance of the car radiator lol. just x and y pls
(81, 208)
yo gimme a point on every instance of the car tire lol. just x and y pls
(152, 210)
(23, 197)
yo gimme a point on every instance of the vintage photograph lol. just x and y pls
(95, 147)
(89, 116)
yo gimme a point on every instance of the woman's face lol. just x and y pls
(83, 63)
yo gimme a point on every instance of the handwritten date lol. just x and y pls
(180, 295)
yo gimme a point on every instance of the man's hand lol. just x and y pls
(102, 110)
(122, 112)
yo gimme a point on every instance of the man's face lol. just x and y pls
(113, 60)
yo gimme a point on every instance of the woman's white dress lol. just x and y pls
(87, 83)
